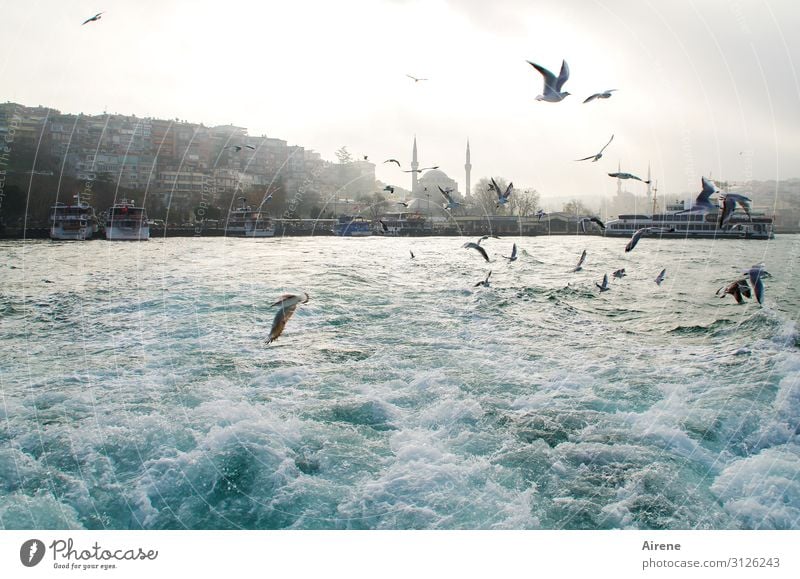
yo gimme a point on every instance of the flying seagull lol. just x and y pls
(482, 251)
(596, 220)
(389, 188)
(94, 18)
(703, 202)
(288, 304)
(416, 80)
(502, 198)
(451, 203)
(412, 253)
(393, 161)
(737, 289)
(756, 274)
(596, 157)
(729, 201)
(661, 276)
(627, 176)
(620, 273)
(552, 85)
(485, 237)
(513, 256)
(239, 147)
(580, 262)
(421, 170)
(604, 287)
(637, 235)
(540, 214)
(384, 226)
(600, 95)
(484, 283)
(403, 203)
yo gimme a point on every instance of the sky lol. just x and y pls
(704, 87)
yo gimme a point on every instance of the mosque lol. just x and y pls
(425, 187)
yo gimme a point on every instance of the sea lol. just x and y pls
(138, 390)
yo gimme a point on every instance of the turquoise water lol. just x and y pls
(138, 391)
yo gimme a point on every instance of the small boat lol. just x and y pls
(244, 221)
(72, 222)
(126, 222)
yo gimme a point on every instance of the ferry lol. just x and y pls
(244, 221)
(349, 226)
(72, 222)
(126, 222)
(402, 224)
(678, 223)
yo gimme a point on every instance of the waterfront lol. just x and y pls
(138, 391)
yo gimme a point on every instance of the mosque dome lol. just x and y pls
(434, 176)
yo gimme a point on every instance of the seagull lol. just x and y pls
(393, 161)
(239, 147)
(756, 273)
(540, 214)
(627, 176)
(596, 157)
(637, 235)
(661, 276)
(94, 18)
(600, 95)
(552, 85)
(416, 80)
(484, 283)
(485, 237)
(619, 274)
(513, 254)
(580, 262)
(412, 253)
(482, 251)
(502, 198)
(729, 201)
(366, 157)
(288, 304)
(421, 170)
(596, 220)
(403, 203)
(703, 202)
(737, 289)
(451, 204)
(383, 225)
(390, 189)
(604, 287)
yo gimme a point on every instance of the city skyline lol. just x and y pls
(687, 103)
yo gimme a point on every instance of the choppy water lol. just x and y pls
(138, 392)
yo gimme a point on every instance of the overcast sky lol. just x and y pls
(705, 87)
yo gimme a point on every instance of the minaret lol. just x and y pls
(414, 167)
(649, 190)
(468, 169)
(619, 181)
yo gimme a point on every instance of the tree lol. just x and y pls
(344, 156)
(577, 208)
(486, 200)
(377, 206)
(523, 202)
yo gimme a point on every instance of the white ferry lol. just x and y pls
(244, 221)
(72, 222)
(679, 223)
(402, 224)
(126, 222)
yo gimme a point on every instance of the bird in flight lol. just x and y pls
(552, 85)
(596, 157)
(384, 226)
(416, 80)
(288, 304)
(484, 283)
(585, 220)
(513, 256)
(703, 202)
(620, 273)
(481, 250)
(737, 289)
(580, 262)
(389, 188)
(403, 203)
(756, 274)
(94, 18)
(238, 148)
(502, 198)
(637, 235)
(451, 203)
(661, 277)
(540, 214)
(604, 287)
(412, 253)
(421, 170)
(627, 176)
(729, 201)
(485, 237)
(393, 161)
(600, 95)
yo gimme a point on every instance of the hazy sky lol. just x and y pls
(704, 86)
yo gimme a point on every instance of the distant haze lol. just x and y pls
(704, 87)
